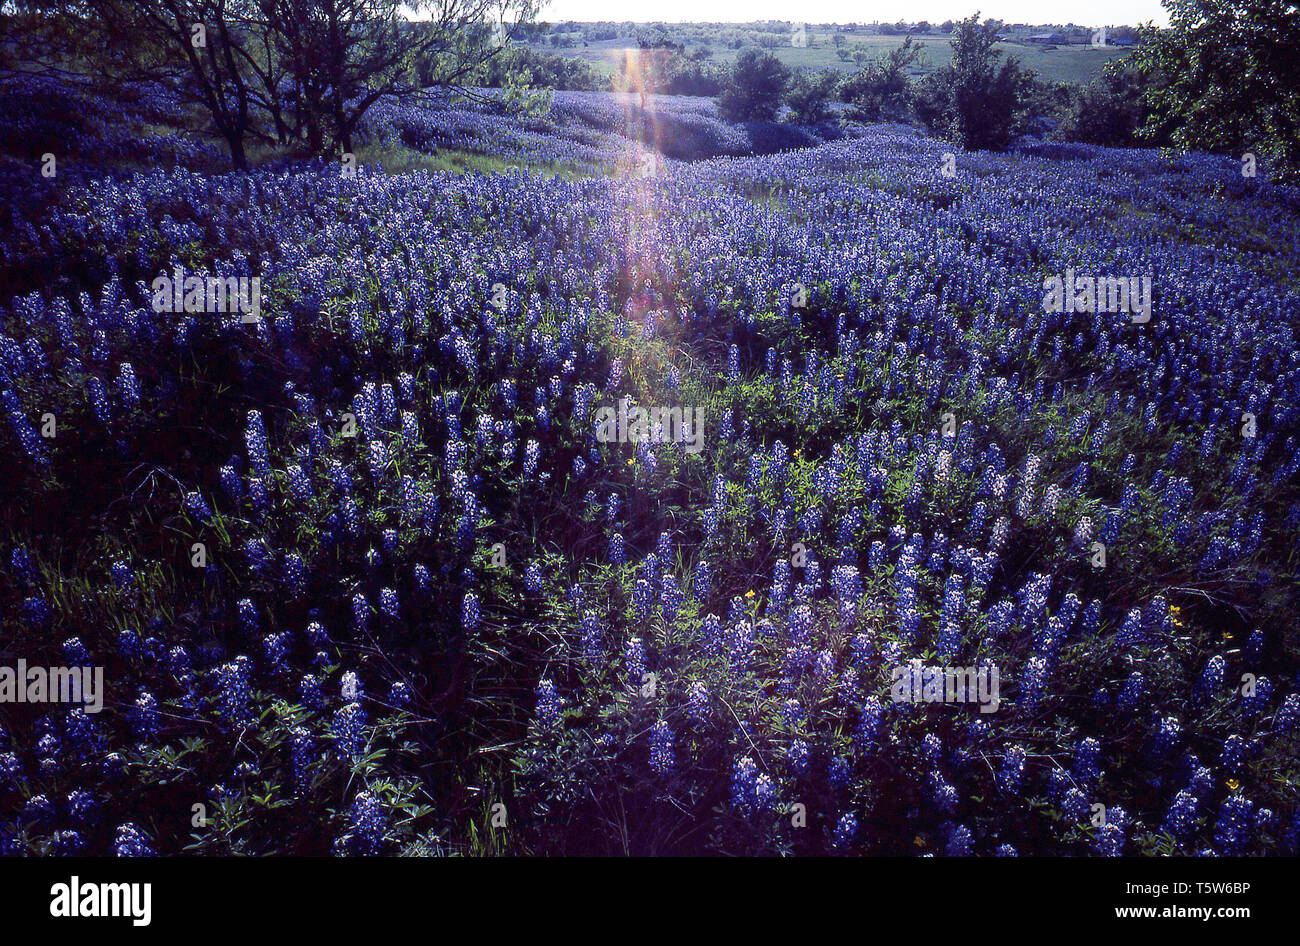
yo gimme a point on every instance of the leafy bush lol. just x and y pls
(1227, 79)
(881, 90)
(976, 100)
(1107, 112)
(757, 84)
(808, 96)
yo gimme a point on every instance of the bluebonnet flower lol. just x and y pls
(1236, 751)
(846, 829)
(697, 701)
(295, 573)
(82, 806)
(122, 575)
(128, 387)
(943, 794)
(1165, 738)
(701, 585)
(230, 482)
(1256, 702)
(1033, 682)
(276, 649)
(634, 663)
(302, 755)
(780, 587)
(309, 692)
(130, 841)
(389, 605)
(1180, 819)
(1109, 840)
(671, 597)
(1087, 760)
(197, 506)
(248, 618)
(143, 716)
(74, 651)
(662, 756)
(360, 613)
(1266, 821)
(234, 690)
(367, 823)
(1131, 633)
(1234, 828)
(1134, 692)
(349, 732)
(1288, 714)
(299, 485)
(22, 566)
(549, 705)
(36, 612)
(798, 754)
(1210, 682)
(752, 792)
(642, 597)
(960, 843)
(470, 615)
(1013, 769)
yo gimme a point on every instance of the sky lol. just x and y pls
(1082, 12)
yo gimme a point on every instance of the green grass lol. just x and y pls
(400, 159)
(1079, 64)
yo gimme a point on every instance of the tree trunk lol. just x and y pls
(238, 159)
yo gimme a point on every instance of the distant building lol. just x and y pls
(1048, 39)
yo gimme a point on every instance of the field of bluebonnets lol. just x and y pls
(364, 580)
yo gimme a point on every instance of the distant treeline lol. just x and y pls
(772, 33)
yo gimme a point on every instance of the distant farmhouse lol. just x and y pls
(1072, 35)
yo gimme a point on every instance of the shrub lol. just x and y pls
(976, 100)
(1106, 112)
(808, 96)
(881, 90)
(757, 84)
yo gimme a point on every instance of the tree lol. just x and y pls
(1226, 78)
(197, 48)
(881, 89)
(308, 69)
(976, 100)
(1108, 111)
(808, 96)
(757, 85)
